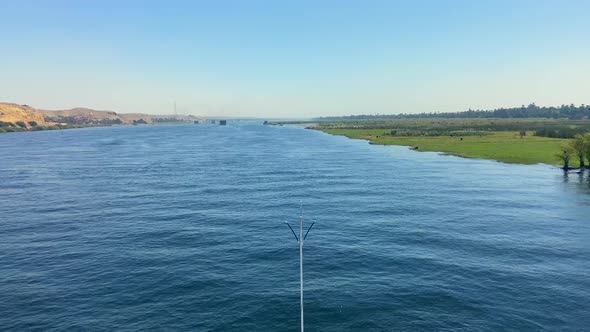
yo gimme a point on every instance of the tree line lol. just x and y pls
(78, 120)
(570, 111)
(560, 131)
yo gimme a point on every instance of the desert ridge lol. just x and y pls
(15, 117)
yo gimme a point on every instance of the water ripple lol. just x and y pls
(182, 228)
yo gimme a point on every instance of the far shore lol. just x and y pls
(17, 118)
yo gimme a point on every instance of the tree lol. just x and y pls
(579, 146)
(586, 138)
(565, 155)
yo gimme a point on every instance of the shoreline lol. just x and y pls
(67, 127)
(499, 146)
(19, 118)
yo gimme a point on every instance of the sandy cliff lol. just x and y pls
(14, 113)
(26, 117)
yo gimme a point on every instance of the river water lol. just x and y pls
(182, 228)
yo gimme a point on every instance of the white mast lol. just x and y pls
(300, 239)
(301, 264)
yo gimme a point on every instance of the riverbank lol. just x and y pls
(502, 146)
(16, 118)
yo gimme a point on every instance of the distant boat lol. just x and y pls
(222, 122)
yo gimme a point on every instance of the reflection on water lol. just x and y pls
(580, 179)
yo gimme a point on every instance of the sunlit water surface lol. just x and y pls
(182, 228)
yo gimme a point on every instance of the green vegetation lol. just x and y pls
(565, 154)
(553, 128)
(504, 140)
(506, 147)
(9, 127)
(579, 148)
(167, 120)
(571, 112)
(83, 121)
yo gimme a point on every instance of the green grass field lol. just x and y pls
(503, 146)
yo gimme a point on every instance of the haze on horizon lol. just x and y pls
(294, 58)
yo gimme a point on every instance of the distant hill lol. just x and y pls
(13, 113)
(25, 117)
(82, 116)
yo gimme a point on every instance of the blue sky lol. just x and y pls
(294, 58)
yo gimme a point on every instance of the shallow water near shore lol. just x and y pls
(183, 228)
